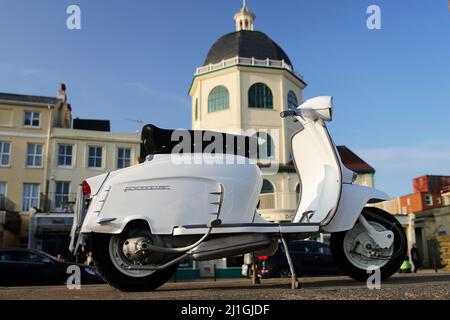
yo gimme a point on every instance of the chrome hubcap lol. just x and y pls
(362, 251)
(121, 261)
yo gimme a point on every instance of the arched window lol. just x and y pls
(196, 109)
(297, 192)
(260, 96)
(267, 196)
(292, 100)
(266, 146)
(218, 99)
(267, 187)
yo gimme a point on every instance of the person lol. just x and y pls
(89, 260)
(406, 266)
(415, 258)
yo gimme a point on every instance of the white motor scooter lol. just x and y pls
(143, 220)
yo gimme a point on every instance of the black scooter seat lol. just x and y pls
(165, 141)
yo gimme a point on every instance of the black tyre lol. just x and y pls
(356, 265)
(119, 278)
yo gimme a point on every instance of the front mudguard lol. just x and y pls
(353, 199)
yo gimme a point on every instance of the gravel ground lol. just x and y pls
(427, 286)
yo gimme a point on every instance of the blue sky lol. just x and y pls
(135, 60)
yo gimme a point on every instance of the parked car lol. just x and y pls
(309, 257)
(27, 267)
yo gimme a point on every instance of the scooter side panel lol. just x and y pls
(169, 195)
(353, 200)
(319, 171)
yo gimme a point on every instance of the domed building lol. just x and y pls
(245, 82)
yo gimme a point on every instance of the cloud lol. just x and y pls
(28, 72)
(426, 157)
(19, 70)
(396, 166)
(159, 94)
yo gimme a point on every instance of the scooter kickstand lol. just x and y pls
(295, 284)
(255, 279)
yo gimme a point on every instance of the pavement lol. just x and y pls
(422, 286)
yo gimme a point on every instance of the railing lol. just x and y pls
(286, 200)
(6, 204)
(267, 201)
(58, 203)
(268, 63)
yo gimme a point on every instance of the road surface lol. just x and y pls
(404, 287)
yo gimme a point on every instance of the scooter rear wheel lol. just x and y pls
(130, 281)
(354, 264)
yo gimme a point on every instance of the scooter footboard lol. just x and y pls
(353, 199)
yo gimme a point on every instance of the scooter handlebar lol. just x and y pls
(288, 113)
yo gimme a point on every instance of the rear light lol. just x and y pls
(86, 188)
(263, 258)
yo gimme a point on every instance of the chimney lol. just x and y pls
(62, 92)
(68, 116)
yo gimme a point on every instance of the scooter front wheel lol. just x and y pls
(355, 253)
(109, 261)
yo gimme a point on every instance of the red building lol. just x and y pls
(431, 184)
(427, 194)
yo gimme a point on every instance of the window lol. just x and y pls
(267, 196)
(267, 187)
(123, 158)
(34, 155)
(260, 96)
(428, 200)
(196, 110)
(23, 256)
(62, 192)
(2, 195)
(5, 153)
(32, 119)
(95, 157)
(324, 249)
(65, 155)
(446, 200)
(292, 101)
(218, 99)
(301, 247)
(266, 147)
(2, 189)
(30, 196)
(6, 255)
(297, 192)
(442, 231)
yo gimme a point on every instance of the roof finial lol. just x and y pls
(244, 18)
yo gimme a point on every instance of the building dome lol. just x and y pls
(245, 44)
